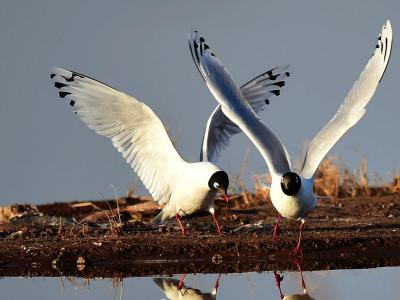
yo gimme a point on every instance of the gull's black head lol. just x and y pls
(219, 182)
(290, 183)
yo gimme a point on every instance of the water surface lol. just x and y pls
(363, 284)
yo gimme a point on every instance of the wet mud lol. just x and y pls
(101, 239)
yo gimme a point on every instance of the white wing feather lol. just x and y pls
(133, 128)
(353, 107)
(258, 92)
(236, 107)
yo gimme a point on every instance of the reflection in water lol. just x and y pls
(176, 289)
(82, 285)
(327, 285)
(303, 296)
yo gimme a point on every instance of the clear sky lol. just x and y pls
(140, 47)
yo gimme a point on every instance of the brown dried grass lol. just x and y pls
(335, 180)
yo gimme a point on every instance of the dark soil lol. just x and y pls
(91, 239)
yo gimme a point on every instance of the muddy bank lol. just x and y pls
(90, 239)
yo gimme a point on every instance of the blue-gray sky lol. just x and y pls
(140, 47)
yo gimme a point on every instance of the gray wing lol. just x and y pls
(354, 105)
(216, 136)
(258, 93)
(236, 107)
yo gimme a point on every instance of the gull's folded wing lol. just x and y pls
(353, 107)
(133, 128)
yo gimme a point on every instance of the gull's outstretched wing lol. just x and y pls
(353, 107)
(258, 93)
(262, 88)
(216, 136)
(235, 106)
(133, 128)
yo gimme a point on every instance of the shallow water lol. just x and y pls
(338, 284)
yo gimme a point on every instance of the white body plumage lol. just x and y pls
(293, 207)
(139, 135)
(195, 176)
(174, 291)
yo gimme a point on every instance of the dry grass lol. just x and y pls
(333, 180)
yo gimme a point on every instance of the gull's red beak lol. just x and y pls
(226, 198)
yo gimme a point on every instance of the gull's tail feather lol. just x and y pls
(167, 284)
(159, 282)
(161, 218)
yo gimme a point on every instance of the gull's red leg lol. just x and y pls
(278, 279)
(297, 249)
(216, 224)
(216, 285)
(181, 281)
(298, 263)
(277, 230)
(303, 284)
(183, 230)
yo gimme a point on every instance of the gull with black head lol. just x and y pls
(139, 135)
(291, 193)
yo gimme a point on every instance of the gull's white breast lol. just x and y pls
(191, 191)
(293, 207)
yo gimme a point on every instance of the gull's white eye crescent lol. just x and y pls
(216, 185)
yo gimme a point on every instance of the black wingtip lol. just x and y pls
(59, 85)
(386, 45)
(63, 94)
(72, 102)
(280, 83)
(276, 92)
(52, 75)
(390, 55)
(195, 59)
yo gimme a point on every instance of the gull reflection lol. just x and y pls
(176, 289)
(303, 296)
